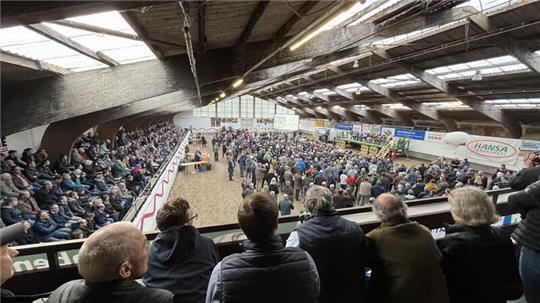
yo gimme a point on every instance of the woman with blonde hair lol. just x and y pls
(478, 259)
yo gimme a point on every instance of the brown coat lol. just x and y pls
(406, 265)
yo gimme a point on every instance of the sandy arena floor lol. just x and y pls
(210, 194)
(214, 197)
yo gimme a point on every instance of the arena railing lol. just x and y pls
(141, 198)
(41, 268)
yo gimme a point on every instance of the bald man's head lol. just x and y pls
(116, 251)
(389, 208)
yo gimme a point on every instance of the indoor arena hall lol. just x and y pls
(270, 151)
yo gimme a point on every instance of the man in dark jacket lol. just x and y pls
(336, 245)
(109, 261)
(47, 230)
(45, 195)
(266, 272)
(180, 260)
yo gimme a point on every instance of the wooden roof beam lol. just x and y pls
(68, 42)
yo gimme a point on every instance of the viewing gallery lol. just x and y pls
(270, 151)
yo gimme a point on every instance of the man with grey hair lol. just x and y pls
(109, 261)
(404, 258)
(337, 246)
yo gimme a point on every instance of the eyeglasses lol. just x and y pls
(195, 216)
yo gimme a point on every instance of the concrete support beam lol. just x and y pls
(74, 45)
(368, 114)
(76, 94)
(507, 42)
(7, 57)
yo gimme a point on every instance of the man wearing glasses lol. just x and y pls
(181, 260)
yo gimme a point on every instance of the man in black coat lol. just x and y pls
(266, 272)
(180, 260)
(337, 245)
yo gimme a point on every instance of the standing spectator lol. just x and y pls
(406, 262)
(364, 193)
(337, 245)
(109, 261)
(527, 233)
(266, 266)
(478, 260)
(180, 260)
(285, 205)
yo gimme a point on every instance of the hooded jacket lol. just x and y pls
(181, 261)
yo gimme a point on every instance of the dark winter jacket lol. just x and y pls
(527, 202)
(479, 265)
(181, 261)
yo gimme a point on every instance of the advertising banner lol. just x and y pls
(357, 127)
(416, 134)
(343, 126)
(434, 137)
(366, 128)
(319, 123)
(499, 150)
(387, 131)
(530, 145)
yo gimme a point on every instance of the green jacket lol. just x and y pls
(405, 264)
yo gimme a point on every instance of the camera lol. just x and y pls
(536, 159)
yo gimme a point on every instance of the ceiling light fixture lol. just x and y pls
(222, 95)
(355, 64)
(477, 76)
(238, 83)
(339, 18)
(358, 91)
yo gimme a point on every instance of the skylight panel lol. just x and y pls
(479, 63)
(120, 49)
(513, 68)
(25, 42)
(493, 70)
(501, 60)
(395, 105)
(458, 67)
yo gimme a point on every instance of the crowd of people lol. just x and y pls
(93, 187)
(290, 164)
(326, 258)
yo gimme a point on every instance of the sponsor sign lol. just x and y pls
(497, 150)
(530, 145)
(434, 137)
(416, 134)
(357, 127)
(387, 131)
(319, 123)
(343, 126)
(367, 128)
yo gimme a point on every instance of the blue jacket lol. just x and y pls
(43, 229)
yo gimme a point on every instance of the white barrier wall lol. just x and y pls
(25, 139)
(146, 217)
